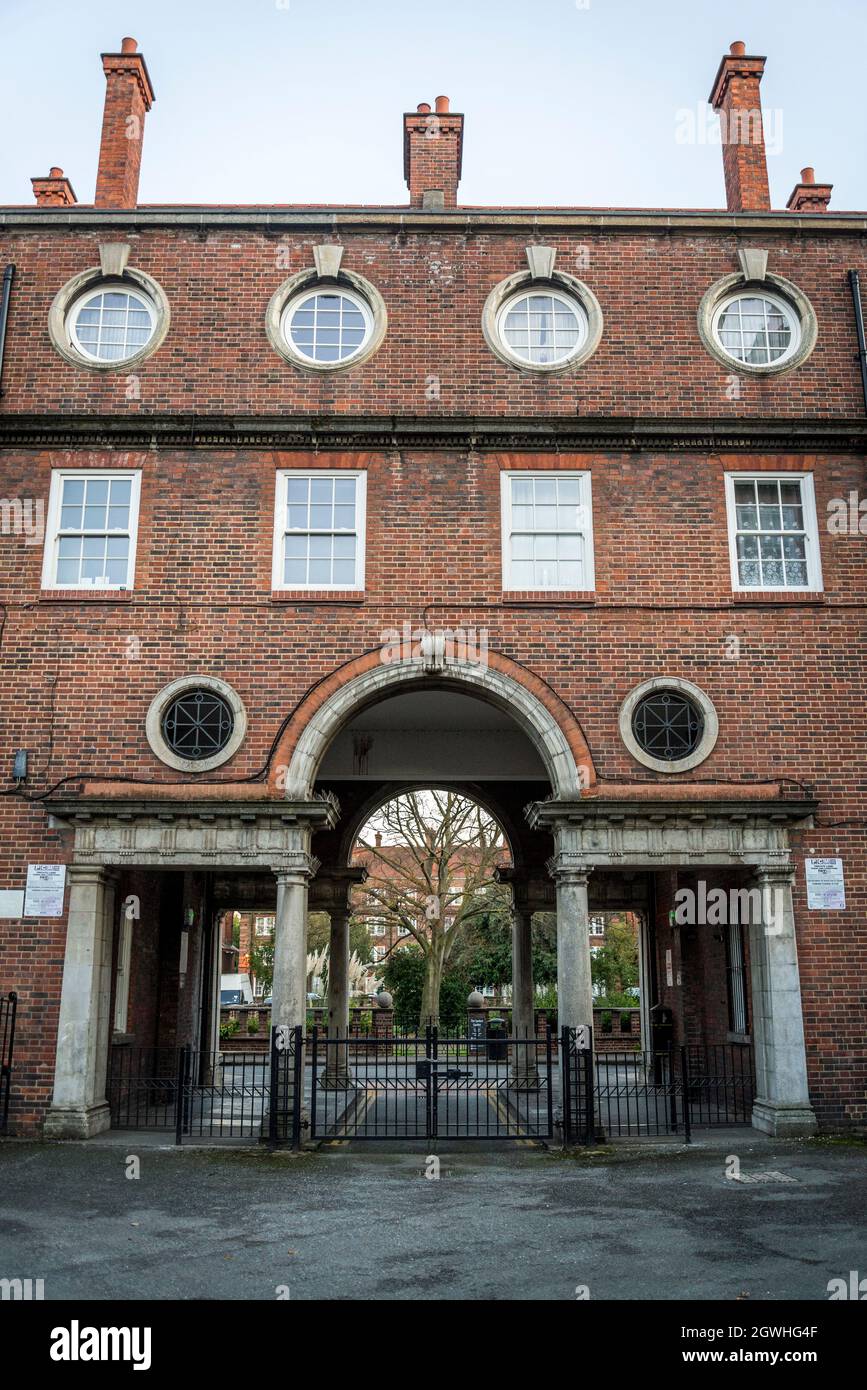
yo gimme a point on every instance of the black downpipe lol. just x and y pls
(855, 286)
(8, 277)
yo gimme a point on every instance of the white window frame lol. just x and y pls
(258, 931)
(280, 502)
(585, 503)
(814, 583)
(314, 292)
(103, 288)
(121, 988)
(52, 527)
(551, 292)
(777, 302)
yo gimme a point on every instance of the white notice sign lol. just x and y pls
(44, 894)
(825, 889)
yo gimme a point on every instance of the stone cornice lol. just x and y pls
(541, 814)
(321, 812)
(555, 433)
(274, 221)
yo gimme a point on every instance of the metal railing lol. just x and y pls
(666, 1091)
(8, 1011)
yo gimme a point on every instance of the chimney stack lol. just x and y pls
(735, 95)
(432, 151)
(128, 97)
(55, 191)
(808, 195)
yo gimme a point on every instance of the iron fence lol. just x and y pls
(629, 1094)
(8, 1011)
(431, 1086)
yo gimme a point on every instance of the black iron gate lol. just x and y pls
(8, 1009)
(430, 1087)
(190, 1093)
(627, 1094)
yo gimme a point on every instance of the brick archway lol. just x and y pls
(535, 708)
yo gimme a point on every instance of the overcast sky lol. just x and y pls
(567, 102)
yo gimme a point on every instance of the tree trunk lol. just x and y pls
(433, 978)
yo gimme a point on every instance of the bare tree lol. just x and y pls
(430, 871)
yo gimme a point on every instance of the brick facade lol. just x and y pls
(433, 418)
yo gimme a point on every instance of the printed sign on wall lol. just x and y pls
(43, 896)
(825, 888)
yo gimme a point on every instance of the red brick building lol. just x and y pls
(305, 505)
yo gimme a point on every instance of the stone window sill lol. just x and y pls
(318, 596)
(86, 596)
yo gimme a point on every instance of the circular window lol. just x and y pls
(324, 324)
(111, 324)
(108, 323)
(327, 325)
(542, 328)
(196, 723)
(757, 329)
(668, 724)
(542, 325)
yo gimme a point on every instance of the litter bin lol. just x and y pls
(498, 1048)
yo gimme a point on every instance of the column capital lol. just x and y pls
(568, 867)
(297, 868)
(778, 873)
(91, 873)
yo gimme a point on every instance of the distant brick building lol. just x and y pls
(307, 505)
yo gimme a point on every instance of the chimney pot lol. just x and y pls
(432, 152)
(53, 191)
(738, 48)
(128, 46)
(808, 195)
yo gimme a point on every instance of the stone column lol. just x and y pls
(337, 1075)
(574, 982)
(524, 1071)
(289, 989)
(79, 1107)
(782, 1104)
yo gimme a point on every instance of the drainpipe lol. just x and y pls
(855, 286)
(8, 277)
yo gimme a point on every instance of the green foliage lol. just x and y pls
(229, 1028)
(262, 962)
(403, 976)
(485, 951)
(615, 965)
(252, 1023)
(319, 936)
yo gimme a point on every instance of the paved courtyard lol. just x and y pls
(512, 1223)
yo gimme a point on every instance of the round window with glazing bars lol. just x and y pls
(197, 724)
(325, 326)
(759, 330)
(667, 725)
(111, 323)
(542, 328)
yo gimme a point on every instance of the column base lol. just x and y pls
(524, 1081)
(784, 1120)
(337, 1081)
(76, 1121)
